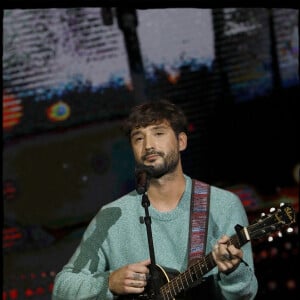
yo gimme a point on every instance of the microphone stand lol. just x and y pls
(147, 221)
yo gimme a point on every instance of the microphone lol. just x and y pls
(142, 177)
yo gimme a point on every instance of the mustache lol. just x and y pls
(153, 152)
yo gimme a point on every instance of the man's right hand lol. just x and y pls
(130, 279)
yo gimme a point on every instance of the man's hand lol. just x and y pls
(226, 255)
(130, 279)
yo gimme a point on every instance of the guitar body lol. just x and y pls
(163, 276)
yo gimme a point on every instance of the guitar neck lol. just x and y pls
(195, 272)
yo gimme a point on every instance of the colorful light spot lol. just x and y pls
(59, 111)
(12, 111)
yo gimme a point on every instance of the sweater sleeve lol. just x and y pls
(85, 276)
(242, 282)
(69, 285)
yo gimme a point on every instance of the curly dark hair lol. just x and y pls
(154, 112)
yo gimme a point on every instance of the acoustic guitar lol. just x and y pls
(172, 284)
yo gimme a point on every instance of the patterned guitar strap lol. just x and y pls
(198, 219)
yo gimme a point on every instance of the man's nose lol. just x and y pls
(148, 144)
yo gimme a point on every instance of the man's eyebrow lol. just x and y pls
(162, 126)
(155, 127)
(134, 132)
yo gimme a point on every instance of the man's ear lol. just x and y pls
(182, 141)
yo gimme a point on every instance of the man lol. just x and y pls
(113, 260)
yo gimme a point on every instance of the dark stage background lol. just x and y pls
(70, 76)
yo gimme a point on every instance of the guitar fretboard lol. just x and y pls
(192, 275)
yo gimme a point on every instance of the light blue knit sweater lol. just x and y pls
(116, 237)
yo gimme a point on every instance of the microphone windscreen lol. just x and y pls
(142, 177)
(141, 182)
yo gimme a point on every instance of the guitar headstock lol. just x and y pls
(274, 221)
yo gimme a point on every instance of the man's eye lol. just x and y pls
(137, 139)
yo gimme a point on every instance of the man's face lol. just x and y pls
(157, 146)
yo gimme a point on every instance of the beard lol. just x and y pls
(169, 164)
